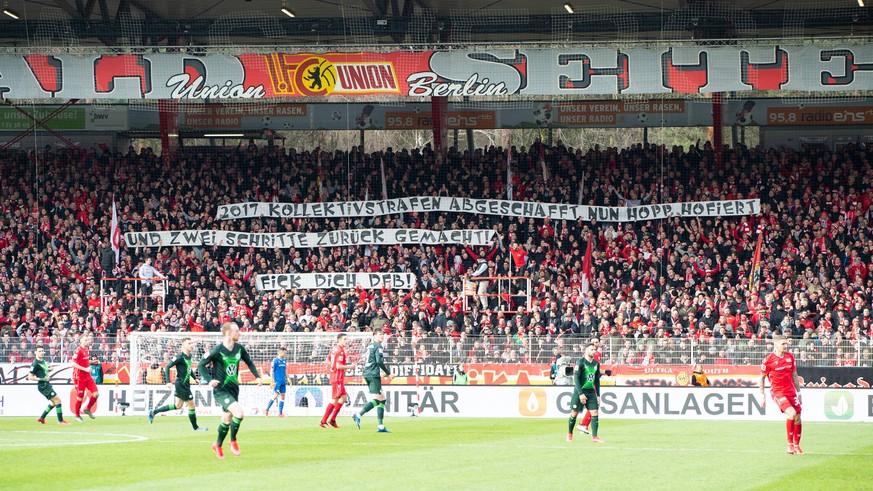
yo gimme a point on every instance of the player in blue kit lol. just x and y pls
(277, 371)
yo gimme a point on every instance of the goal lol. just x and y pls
(306, 361)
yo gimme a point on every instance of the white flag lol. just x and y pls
(115, 234)
(581, 192)
(384, 183)
(585, 283)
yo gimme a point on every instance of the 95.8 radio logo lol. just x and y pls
(839, 405)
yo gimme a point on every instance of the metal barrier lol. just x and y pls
(143, 289)
(508, 297)
(543, 349)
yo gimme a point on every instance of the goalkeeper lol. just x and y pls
(182, 389)
(373, 376)
(278, 367)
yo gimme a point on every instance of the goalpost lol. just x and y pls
(306, 358)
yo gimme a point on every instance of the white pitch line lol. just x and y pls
(30, 443)
(606, 446)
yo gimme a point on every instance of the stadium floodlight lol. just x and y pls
(11, 14)
(568, 7)
(223, 135)
(287, 12)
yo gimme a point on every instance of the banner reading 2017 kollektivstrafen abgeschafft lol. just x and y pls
(547, 72)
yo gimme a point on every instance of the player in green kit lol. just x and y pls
(224, 380)
(39, 374)
(373, 376)
(586, 393)
(182, 388)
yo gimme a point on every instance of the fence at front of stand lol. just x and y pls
(544, 349)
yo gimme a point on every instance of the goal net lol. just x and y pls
(306, 356)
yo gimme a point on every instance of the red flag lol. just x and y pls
(321, 196)
(755, 275)
(586, 270)
(115, 234)
(509, 173)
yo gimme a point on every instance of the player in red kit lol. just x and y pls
(82, 378)
(780, 368)
(338, 367)
(586, 419)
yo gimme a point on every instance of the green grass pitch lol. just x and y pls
(426, 453)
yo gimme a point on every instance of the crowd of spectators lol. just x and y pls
(656, 284)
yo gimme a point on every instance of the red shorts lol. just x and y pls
(337, 390)
(786, 401)
(86, 383)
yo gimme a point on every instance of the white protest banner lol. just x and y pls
(424, 204)
(285, 240)
(341, 281)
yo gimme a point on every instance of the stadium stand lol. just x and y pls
(659, 288)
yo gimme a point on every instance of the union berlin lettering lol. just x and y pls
(423, 204)
(488, 72)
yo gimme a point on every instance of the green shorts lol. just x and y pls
(47, 390)
(590, 400)
(183, 392)
(225, 397)
(375, 384)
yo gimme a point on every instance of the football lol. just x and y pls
(266, 120)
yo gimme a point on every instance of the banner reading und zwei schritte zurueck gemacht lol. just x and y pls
(473, 72)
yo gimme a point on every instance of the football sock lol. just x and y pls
(192, 417)
(327, 412)
(77, 407)
(789, 430)
(92, 404)
(234, 428)
(380, 411)
(47, 410)
(281, 406)
(336, 410)
(269, 405)
(163, 409)
(572, 424)
(586, 419)
(60, 412)
(366, 408)
(797, 428)
(222, 432)
(595, 422)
